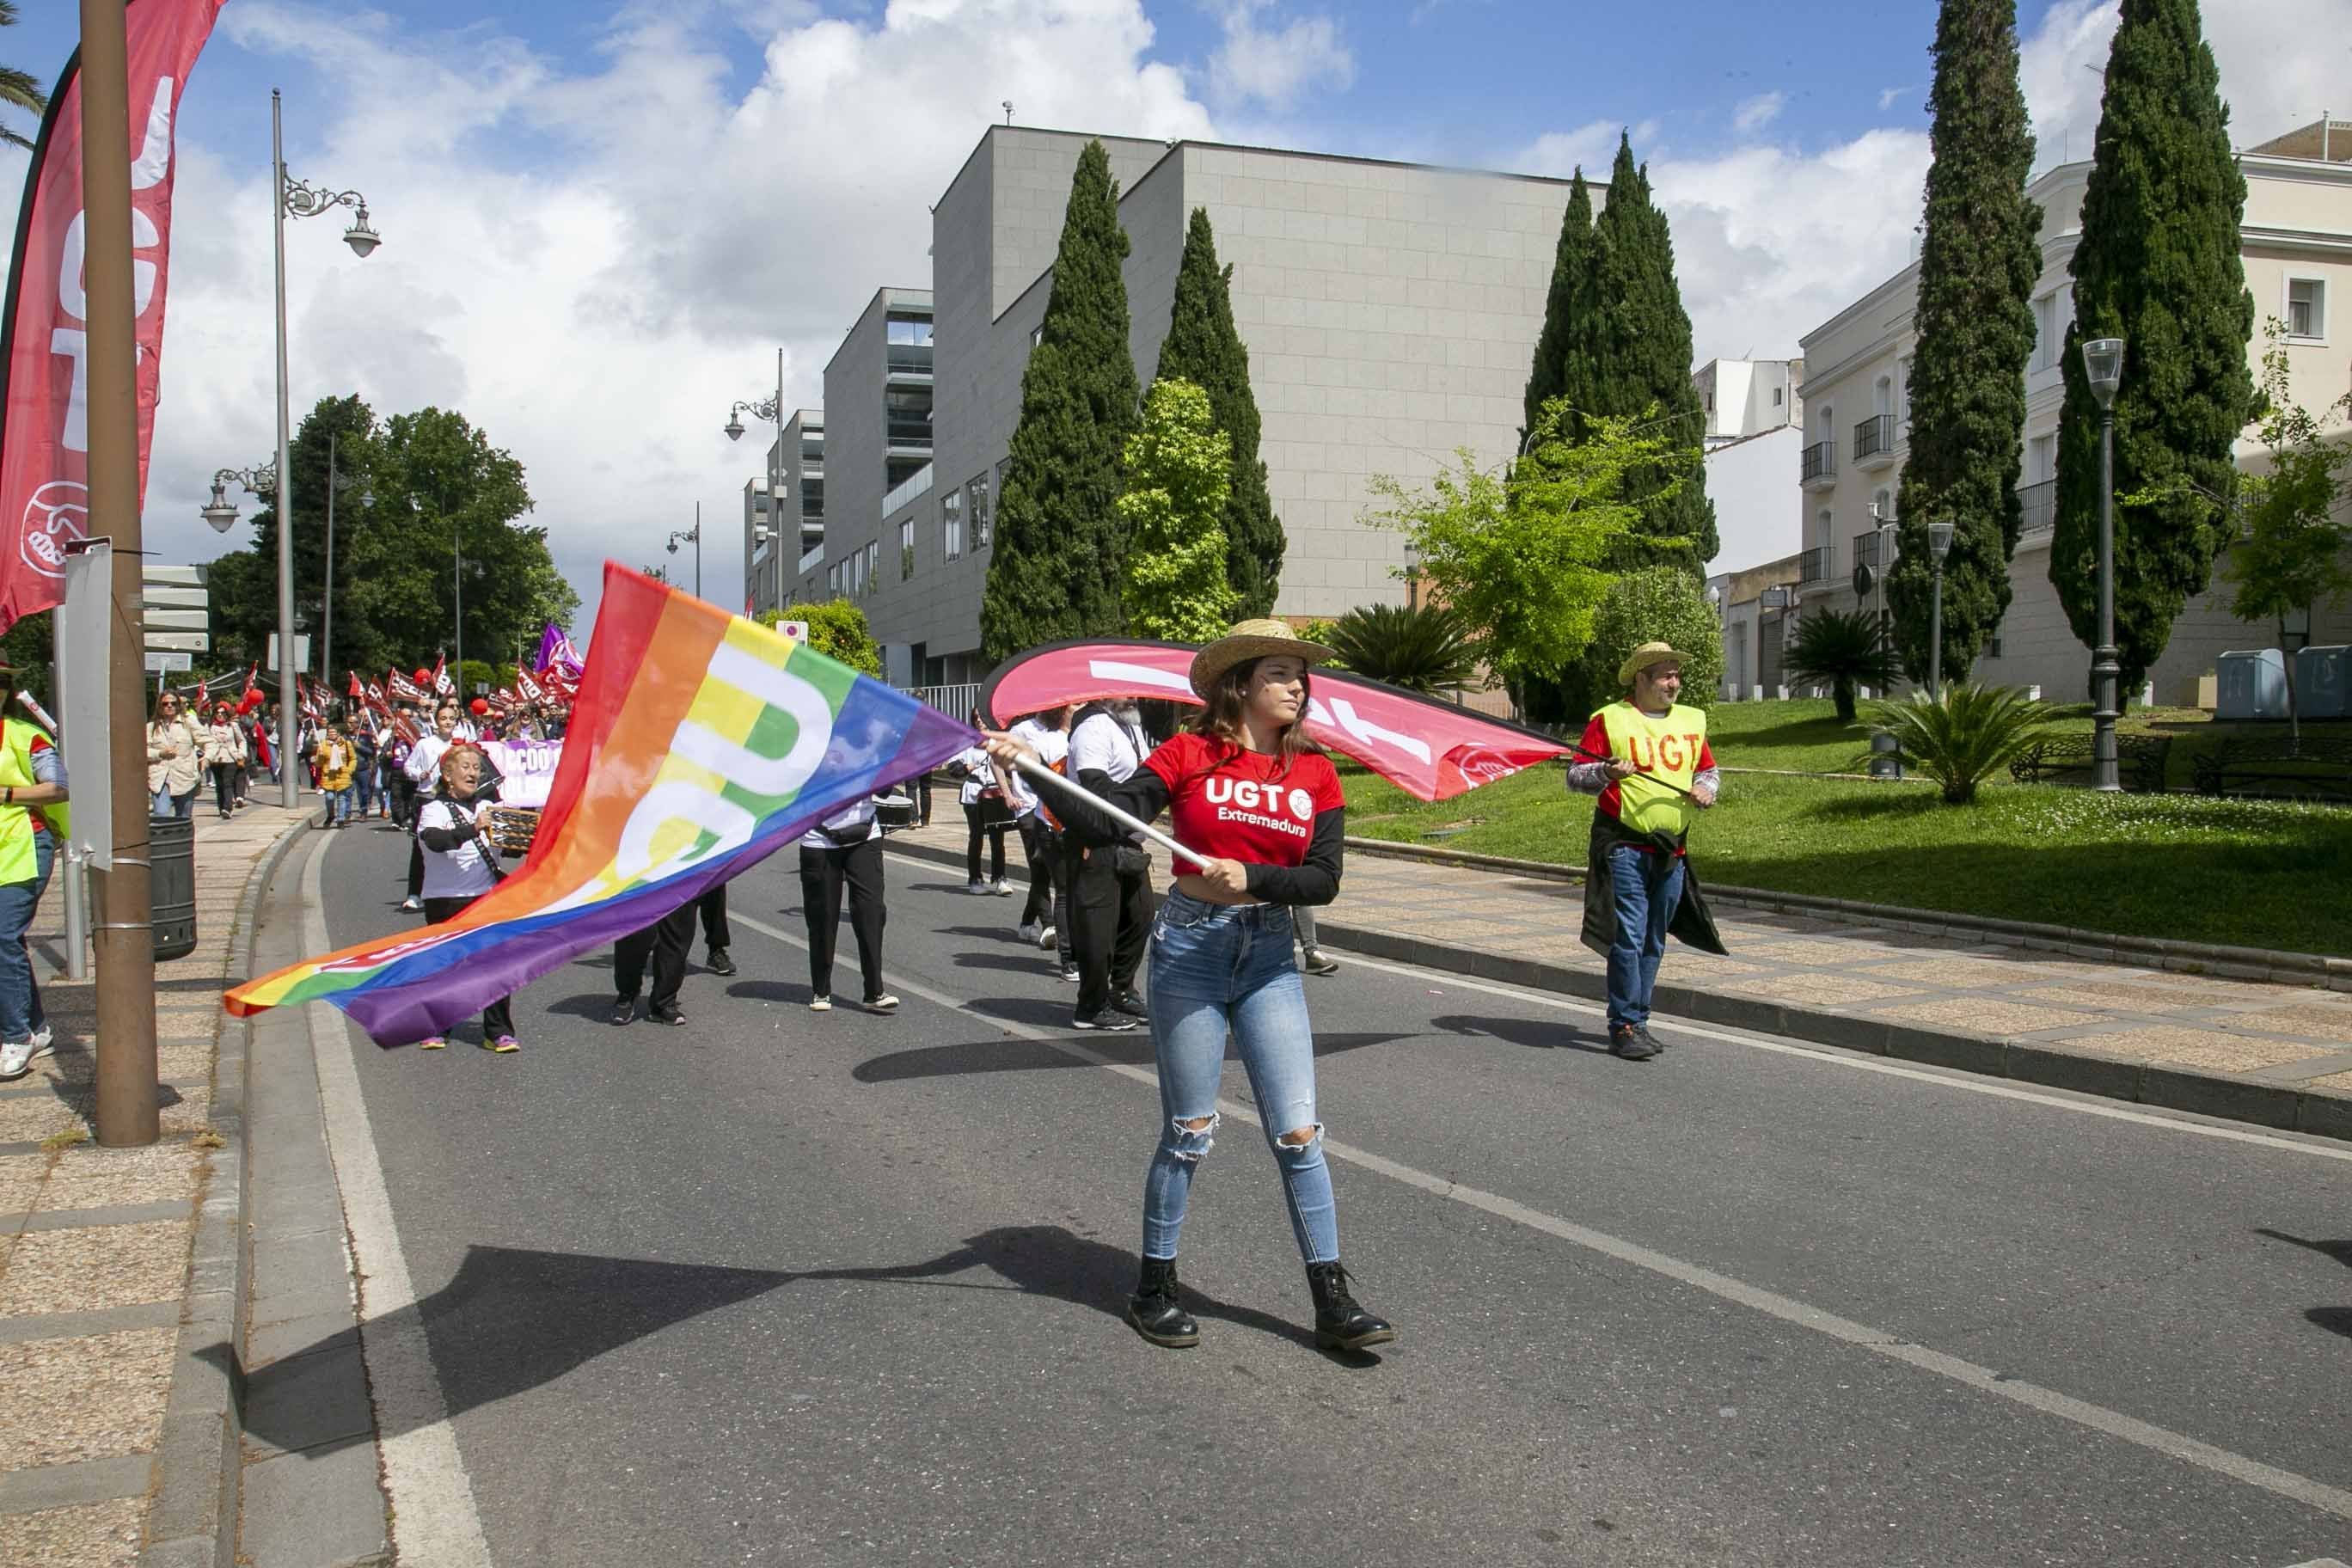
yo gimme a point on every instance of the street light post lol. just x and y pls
(1939, 545)
(291, 197)
(2103, 364)
(694, 537)
(773, 411)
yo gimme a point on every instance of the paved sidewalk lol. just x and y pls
(112, 1427)
(2273, 1053)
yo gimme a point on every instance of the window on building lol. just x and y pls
(951, 524)
(983, 516)
(1826, 523)
(874, 567)
(1036, 335)
(813, 448)
(854, 576)
(907, 410)
(1881, 506)
(910, 330)
(1902, 395)
(832, 581)
(2307, 308)
(2045, 332)
(1776, 395)
(2041, 458)
(905, 549)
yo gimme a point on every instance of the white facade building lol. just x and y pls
(2296, 241)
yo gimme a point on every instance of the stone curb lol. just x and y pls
(2155, 952)
(2267, 1104)
(193, 1520)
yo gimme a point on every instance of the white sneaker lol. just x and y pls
(15, 1058)
(1002, 889)
(1045, 938)
(820, 1004)
(1029, 931)
(886, 1002)
(44, 1038)
(412, 904)
(981, 888)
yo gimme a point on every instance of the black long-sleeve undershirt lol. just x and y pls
(1143, 796)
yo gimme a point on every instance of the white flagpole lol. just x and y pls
(1044, 774)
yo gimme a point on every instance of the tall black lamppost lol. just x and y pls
(2103, 365)
(1939, 545)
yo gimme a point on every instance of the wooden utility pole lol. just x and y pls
(125, 935)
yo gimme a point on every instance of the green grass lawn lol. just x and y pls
(2248, 873)
(1803, 734)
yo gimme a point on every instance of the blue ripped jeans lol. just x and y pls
(1219, 969)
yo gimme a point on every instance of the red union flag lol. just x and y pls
(1432, 748)
(44, 341)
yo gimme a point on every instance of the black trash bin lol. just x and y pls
(171, 884)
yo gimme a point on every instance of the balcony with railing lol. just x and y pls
(1874, 442)
(2037, 505)
(1868, 550)
(1817, 465)
(916, 484)
(1816, 566)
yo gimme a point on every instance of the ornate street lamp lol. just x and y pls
(692, 536)
(259, 479)
(2103, 365)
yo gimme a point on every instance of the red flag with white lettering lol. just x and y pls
(1432, 748)
(44, 341)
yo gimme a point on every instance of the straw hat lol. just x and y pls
(1642, 657)
(1248, 640)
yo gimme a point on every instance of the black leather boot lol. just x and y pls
(1155, 1312)
(1339, 1323)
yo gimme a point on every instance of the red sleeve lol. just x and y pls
(1705, 757)
(1596, 738)
(1174, 758)
(40, 743)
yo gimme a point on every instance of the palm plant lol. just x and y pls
(1843, 652)
(19, 88)
(1961, 738)
(1424, 650)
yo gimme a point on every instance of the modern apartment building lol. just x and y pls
(1390, 309)
(776, 538)
(2296, 242)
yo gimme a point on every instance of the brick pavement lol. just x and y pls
(95, 1277)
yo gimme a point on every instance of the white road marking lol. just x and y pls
(433, 1521)
(1862, 1336)
(1972, 1083)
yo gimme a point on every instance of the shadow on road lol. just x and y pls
(1536, 1034)
(1012, 1053)
(2334, 1319)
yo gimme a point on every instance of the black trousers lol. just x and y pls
(1038, 842)
(989, 819)
(712, 907)
(1112, 916)
(224, 786)
(824, 874)
(415, 862)
(404, 800)
(498, 1018)
(666, 942)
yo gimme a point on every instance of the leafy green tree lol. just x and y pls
(1421, 649)
(1977, 264)
(1562, 366)
(837, 629)
(472, 673)
(19, 89)
(2159, 267)
(1519, 551)
(1843, 652)
(1965, 736)
(1203, 347)
(1056, 568)
(1642, 361)
(1178, 466)
(1655, 603)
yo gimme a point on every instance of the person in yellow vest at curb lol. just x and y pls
(1649, 762)
(32, 776)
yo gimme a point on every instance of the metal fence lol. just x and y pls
(955, 702)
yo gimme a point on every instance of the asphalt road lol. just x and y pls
(791, 1288)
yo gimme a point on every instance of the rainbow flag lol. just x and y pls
(702, 743)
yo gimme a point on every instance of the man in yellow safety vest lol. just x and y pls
(1647, 758)
(32, 776)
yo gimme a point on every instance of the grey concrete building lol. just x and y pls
(1390, 309)
(773, 555)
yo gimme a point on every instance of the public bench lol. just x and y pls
(2316, 764)
(2139, 760)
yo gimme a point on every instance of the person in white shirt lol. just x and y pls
(460, 867)
(985, 815)
(1110, 885)
(845, 849)
(1045, 918)
(423, 768)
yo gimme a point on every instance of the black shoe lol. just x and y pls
(1656, 1045)
(624, 1011)
(1339, 1323)
(1128, 1002)
(1634, 1045)
(1069, 974)
(1314, 961)
(1154, 1311)
(661, 1015)
(718, 963)
(1107, 1020)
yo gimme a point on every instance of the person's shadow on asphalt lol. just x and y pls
(2334, 1319)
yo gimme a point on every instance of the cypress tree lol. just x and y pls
(1055, 571)
(1563, 362)
(2159, 267)
(1978, 265)
(1203, 347)
(1644, 357)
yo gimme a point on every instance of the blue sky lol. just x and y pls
(601, 221)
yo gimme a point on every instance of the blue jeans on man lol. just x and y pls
(1646, 887)
(20, 995)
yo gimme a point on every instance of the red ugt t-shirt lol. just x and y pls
(1229, 803)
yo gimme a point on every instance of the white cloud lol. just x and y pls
(1759, 111)
(596, 311)
(1888, 96)
(1273, 66)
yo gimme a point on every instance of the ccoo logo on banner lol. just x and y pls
(44, 331)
